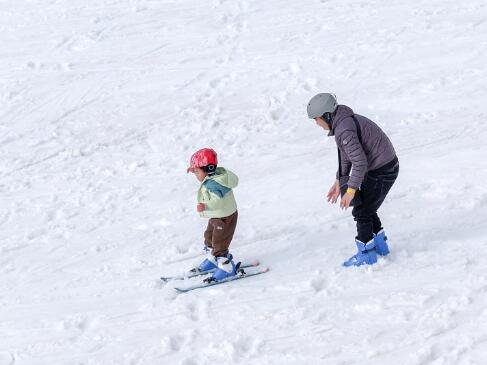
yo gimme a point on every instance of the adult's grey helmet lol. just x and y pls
(321, 104)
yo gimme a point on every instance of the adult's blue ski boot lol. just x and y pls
(381, 246)
(366, 255)
(225, 268)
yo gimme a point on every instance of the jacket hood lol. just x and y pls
(224, 177)
(341, 113)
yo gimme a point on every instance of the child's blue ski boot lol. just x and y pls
(225, 268)
(366, 254)
(207, 264)
(381, 246)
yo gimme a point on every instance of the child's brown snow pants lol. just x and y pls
(219, 234)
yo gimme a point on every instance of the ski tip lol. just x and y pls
(180, 290)
(164, 280)
(255, 263)
(265, 269)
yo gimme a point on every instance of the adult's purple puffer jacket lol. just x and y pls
(375, 151)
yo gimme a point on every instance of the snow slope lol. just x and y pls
(101, 105)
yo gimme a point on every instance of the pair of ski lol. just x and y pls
(241, 274)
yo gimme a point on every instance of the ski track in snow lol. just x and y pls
(103, 102)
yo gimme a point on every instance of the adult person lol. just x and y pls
(368, 167)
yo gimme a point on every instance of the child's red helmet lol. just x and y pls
(202, 158)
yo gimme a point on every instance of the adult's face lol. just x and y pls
(321, 123)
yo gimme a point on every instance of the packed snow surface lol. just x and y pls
(102, 102)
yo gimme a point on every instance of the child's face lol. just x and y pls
(199, 173)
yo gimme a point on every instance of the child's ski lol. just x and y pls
(190, 274)
(232, 278)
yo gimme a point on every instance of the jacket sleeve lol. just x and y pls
(346, 166)
(212, 195)
(350, 145)
(211, 200)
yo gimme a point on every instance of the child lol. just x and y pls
(216, 202)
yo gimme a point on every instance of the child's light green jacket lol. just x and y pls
(217, 195)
